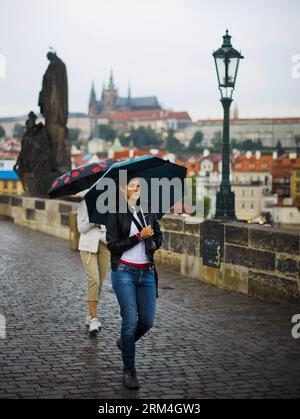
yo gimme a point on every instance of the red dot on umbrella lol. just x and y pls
(66, 180)
(75, 174)
(54, 183)
(96, 169)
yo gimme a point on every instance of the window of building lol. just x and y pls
(5, 184)
(14, 184)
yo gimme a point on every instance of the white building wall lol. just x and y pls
(247, 201)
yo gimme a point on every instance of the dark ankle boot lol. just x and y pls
(130, 379)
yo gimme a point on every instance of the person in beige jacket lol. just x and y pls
(95, 258)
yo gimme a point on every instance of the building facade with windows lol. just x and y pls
(295, 182)
(9, 180)
(268, 130)
(248, 199)
(247, 169)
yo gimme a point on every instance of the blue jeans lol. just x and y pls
(135, 290)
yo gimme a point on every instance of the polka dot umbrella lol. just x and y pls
(79, 179)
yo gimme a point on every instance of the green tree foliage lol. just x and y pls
(217, 141)
(196, 142)
(125, 140)
(297, 143)
(143, 137)
(207, 203)
(2, 132)
(74, 134)
(173, 145)
(251, 145)
(242, 145)
(18, 131)
(106, 132)
(280, 150)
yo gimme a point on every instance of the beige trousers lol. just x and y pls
(96, 266)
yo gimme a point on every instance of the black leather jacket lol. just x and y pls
(118, 240)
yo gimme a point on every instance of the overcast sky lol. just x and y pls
(163, 47)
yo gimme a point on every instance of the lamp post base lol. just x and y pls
(225, 204)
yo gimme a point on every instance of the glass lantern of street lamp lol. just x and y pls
(227, 63)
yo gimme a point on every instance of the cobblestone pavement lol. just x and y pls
(206, 343)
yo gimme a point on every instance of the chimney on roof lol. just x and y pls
(248, 154)
(236, 152)
(275, 155)
(258, 154)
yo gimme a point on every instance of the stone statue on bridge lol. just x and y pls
(53, 103)
(35, 165)
(45, 152)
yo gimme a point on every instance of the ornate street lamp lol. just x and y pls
(227, 63)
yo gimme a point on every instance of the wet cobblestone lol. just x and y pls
(206, 342)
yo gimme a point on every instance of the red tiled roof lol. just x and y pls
(252, 164)
(270, 120)
(214, 157)
(192, 167)
(295, 163)
(124, 154)
(139, 115)
(179, 115)
(4, 154)
(150, 115)
(283, 165)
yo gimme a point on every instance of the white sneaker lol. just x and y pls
(88, 320)
(95, 325)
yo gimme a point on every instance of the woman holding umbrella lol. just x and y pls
(132, 242)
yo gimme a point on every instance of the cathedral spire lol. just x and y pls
(103, 89)
(111, 85)
(93, 94)
(129, 91)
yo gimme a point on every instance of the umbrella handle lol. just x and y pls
(143, 216)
